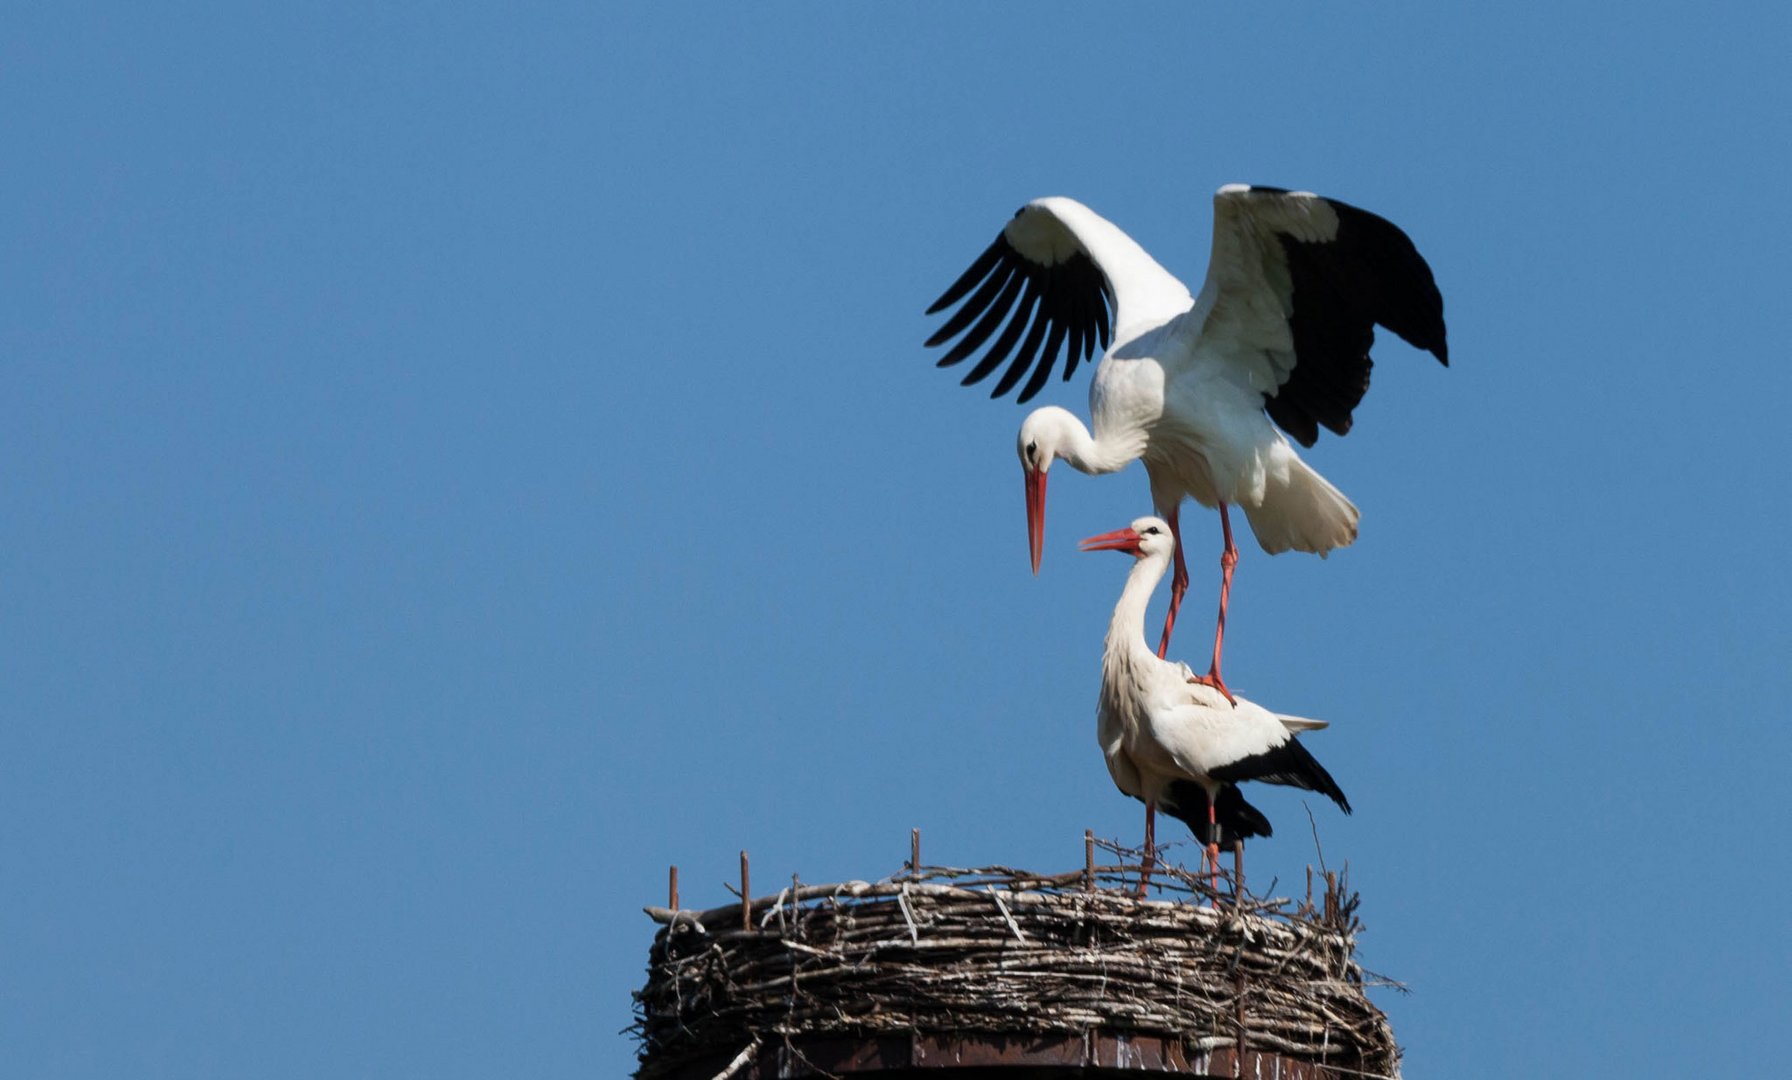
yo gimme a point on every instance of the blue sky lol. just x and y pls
(459, 460)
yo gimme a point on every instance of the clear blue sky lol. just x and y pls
(458, 461)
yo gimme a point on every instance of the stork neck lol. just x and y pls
(1096, 455)
(1126, 631)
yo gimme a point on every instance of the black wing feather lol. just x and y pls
(1065, 305)
(1053, 339)
(1037, 382)
(1010, 334)
(999, 309)
(972, 275)
(1369, 274)
(1028, 350)
(1090, 315)
(1073, 351)
(1288, 764)
(974, 307)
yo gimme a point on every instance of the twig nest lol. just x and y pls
(997, 953)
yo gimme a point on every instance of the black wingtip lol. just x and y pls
(1290, 764)
(1369, 274)
(979, 269)
(1066, 304)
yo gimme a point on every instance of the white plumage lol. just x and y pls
(1171, 740)
(1280, 331)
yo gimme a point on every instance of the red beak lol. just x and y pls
(1036, 515)
(1126, 540)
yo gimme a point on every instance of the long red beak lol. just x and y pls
(1126, 540)
(1036, 515)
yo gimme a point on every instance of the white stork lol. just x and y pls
(1283, 324)
(1173, 741)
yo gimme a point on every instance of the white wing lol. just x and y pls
(1064, 277)
(1202, 738)
(1295, 287)
(1232, 745)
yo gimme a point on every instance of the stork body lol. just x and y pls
(1195, 386)
(1170, 739)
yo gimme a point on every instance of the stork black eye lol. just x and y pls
(1151, 530)
(1032, 450)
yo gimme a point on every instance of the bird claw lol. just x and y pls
(1212, 679)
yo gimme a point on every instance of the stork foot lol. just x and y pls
(1213, 679)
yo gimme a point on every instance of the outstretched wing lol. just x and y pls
(1295, 288)
(1040, 284)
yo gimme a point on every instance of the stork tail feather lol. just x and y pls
(1301, 510)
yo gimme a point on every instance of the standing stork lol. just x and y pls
(1282, 326)
(1172, 740)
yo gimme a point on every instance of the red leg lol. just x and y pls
(1150, 845)
(1213, 851)
(1228, 560)
(1178, 581)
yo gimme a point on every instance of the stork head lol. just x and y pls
(1044, 437)
(1145, 538)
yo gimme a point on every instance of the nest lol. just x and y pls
(1002, 951)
